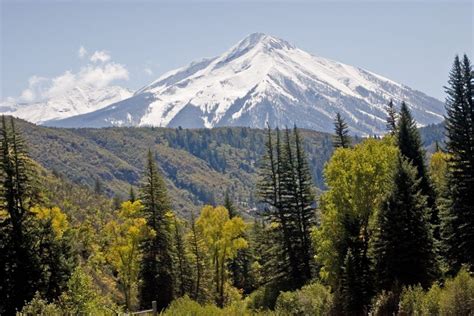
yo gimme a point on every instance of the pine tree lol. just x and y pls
(32, 257)
(183, 271)
(19, 267)
(352, 292)
(410, 146)
(270, 191)
(132, 198)
(391, 118)
(285, 186)
(229, 205)
(403, 248)
(305, 203)
(458, 214)
(157, 265)
(341, 139)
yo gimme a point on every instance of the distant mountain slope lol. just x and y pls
(263, 79)
(199, 165)
(79, 100)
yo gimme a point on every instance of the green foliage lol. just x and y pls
(80, 296)
(34, 244)
(403, 247)
(199, 165)
(186, 306)
(384, 303)
(409, 144)
(357, 180)
(455, 298)
(222, 238)
(39, 306)
(458, 215)
(157, 263)
(341, 130)
(312, 299)
(391, 118)
(285, 189)
(265, 297)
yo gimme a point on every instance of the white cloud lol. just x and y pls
(148, 71)
(101, 56)
(91, 75)
(82, 52)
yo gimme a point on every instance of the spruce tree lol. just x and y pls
(458, 214)
(391, 118)
(305, 203)
(157, 264)
(271, 192)
(341, 139)
(132, 198)
(32, 257)
(19, 266)
(410, 146)
(403, 249)
(285, 186)
(229, 205)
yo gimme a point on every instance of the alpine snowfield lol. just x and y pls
(263, 80)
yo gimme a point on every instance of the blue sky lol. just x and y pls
(412, 42)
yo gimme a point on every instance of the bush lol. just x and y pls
(412, 301)
(386, 303)
(264, 297)
(39, 306)
(457, 297)
(313, 299)
(186, 306)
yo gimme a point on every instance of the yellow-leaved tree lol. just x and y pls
(222, 238)
(123, 252)
(357, 179)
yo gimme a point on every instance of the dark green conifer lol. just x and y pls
(403, 248)
(157, 264)
(132, 196)
(458, 213)
(409, 143)
(391, 118)
(341, 139)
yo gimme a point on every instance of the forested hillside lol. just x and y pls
(199, 165)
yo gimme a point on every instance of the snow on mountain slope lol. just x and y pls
(79, 100)
(264, 79)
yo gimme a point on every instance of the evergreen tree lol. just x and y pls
(32, 257)
(270, 190)
(403, 248)
(410, 146)
(229, 205)
(132, 198)
(157, 265)
(352, 292)
(458, 215)
(183, 271)
(391, 118)
(341, 139)
(305, 203)
(285, 186)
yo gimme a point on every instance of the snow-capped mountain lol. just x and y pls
(263, 79)
(79, 100)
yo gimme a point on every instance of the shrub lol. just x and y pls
(386, 303)
(264, 297)
(313, 299)
(39, 306)
(457, 297)
(411, 301)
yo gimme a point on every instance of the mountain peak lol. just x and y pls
(262, 41)
(264, 79)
